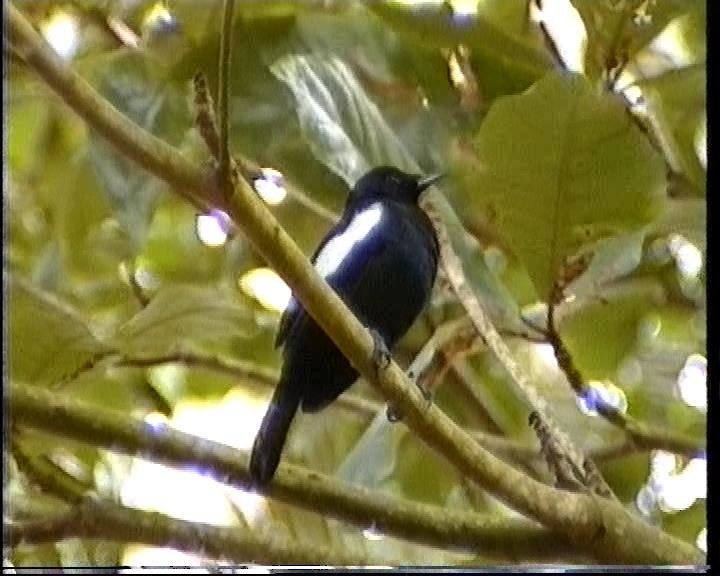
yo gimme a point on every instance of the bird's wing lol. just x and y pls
(342, 258)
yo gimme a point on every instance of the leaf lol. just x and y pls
(614, 32)
(344, 129)
(560, 165)
(347, 132)
(182, 317)
(49, 340)
(677, 102)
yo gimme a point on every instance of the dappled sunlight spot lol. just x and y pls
(535, 314)
(158, 17)
(192, 493)
(373, 534)
(545, 355)
(270, 186)
(563, 24)
(138, 555)
(266, 287)
(61, 32)
(464, 7)
(144, 278)
(692, 382)
(688, 257)
(648, 330)
(212, 228)
(701, 142)
(670, 490)
(599, 394)
(701, 540)
(671, 45)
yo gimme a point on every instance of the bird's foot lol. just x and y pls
(393, 414)
(425, 391)
(381, 354)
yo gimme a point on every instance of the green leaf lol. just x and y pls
(347, 132)
(616, 33)
(49, 340)
(560, 165)
(184, 317)
(677, 102)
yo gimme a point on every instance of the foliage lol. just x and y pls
(107, 271)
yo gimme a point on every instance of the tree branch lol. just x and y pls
(432, 525)
(107, 521)
(572, 458)
(224, 92)
(604, 526)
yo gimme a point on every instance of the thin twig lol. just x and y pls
(453, 267)
(205, 115)
(224, 92)
(641, 435)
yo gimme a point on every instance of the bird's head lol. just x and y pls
(386, 182)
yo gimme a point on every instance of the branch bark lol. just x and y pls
(107, 521)
(605, 526)
(432, 525)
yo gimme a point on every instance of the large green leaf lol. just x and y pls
(184, 317)
(49, 340)
(348, 133)
(615, 30)
(560, 165)
(677, 102)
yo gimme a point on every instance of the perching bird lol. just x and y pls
(381, 259)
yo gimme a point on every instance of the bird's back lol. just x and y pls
(386, 280)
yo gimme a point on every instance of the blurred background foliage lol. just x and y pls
(580, 127)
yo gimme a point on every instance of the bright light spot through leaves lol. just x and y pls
(192, 494)
(212, 228)
(61, 32)
(598, 394)
(266, 287)
(669, 490)
(688, 257)
(565, 28)
(692, 382)
(270, 186)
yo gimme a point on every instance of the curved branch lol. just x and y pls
(606, 527)
(107, 521)
(432, 525)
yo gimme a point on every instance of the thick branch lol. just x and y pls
(607, 527)
(107, 521)
(423, 523)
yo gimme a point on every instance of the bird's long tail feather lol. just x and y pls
(273, 431)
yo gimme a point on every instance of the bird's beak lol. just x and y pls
(428, 181)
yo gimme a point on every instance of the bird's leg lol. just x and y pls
(393, 414)
(424, 390)
(381, 354)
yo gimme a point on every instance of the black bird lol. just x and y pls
(381, 259)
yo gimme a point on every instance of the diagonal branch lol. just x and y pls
(606, 527)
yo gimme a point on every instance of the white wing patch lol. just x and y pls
(337, 249)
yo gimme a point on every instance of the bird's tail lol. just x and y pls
(270, 438)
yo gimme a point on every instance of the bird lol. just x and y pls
(381, 259)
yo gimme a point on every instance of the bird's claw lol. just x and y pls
(393, 414)
(381, 354)
(427, 394)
